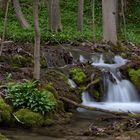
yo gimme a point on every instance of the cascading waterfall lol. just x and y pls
(121, 94)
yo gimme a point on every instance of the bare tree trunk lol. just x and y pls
(3, 4)
(23, 22)
(109, 9)
(93, 21)
(123, 17)
(37, 40)
(54, 19)
(5, 25)
(80, 15)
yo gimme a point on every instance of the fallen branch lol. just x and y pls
(128, 114)
(18, 119)
(92, 83)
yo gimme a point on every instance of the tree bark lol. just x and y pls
(80, 15)
(3, 4)
(109, 10)
(23, 22)
(54, 19)
(93, 21)
(37, 40)
(5, 26)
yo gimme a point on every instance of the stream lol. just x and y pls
(120, 95)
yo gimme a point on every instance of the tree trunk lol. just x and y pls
(5, 25)
(80, 15)
(109, 10)
(37, 40)
(23, 22)
(3, 4)
(93, 21)
(54, 19)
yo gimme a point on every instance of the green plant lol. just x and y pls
(29, 118)
(78, 75)
(26, 95)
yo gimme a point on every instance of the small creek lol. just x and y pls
(121, 95)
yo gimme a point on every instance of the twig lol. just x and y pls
(18, 119)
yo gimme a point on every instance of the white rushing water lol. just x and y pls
(82, 59)
(121, 94)
(72, 83)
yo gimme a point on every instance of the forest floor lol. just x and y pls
(84, 126)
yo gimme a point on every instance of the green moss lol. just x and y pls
(96, 95)
(21, 61)
(134, 115)
(123, 55)
(2, 137)
(48, 121)
(43, 63)
(135, 77)
(78, 75)
(29, 118)
(6, 111)
(51, 88)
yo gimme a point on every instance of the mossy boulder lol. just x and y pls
(96, 95)
(60, 88)
(135, 77)
(50, 87)
(6, 111)
(29, 118)
(78, 75)
(2, 137)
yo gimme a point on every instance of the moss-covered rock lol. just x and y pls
(96, 95)
(2, 137)
(48, 122)
(6, 111)
(29, 118)
(78, 75)
(50, 87)
(135, 77)
(59, 82)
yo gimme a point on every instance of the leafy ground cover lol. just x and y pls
(69, 20)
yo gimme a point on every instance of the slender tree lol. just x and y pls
(5, 26)
(22, 20)
(80, 15)
(93, 21)
(123, 17)
(109, 9)
(37, 40)
(3, 4)
(54, 19)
